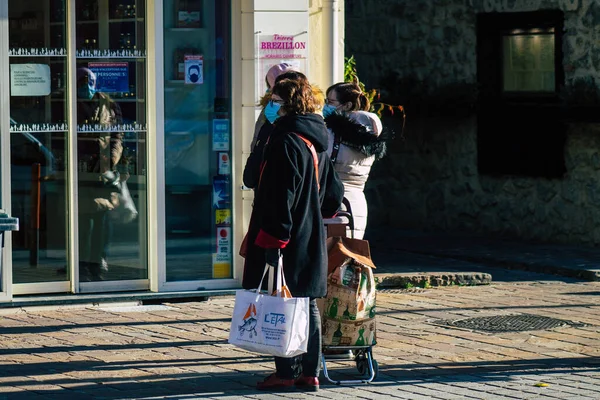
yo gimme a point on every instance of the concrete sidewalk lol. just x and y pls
(180, 350)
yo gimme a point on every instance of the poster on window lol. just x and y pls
(222, 257)
(221, 194)
(220, 135)
(223, 217)
(111, 77)
(194, 69)
(30, 80)
(221, 266)
(224, 166)
(273, 49)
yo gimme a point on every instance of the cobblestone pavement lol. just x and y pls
(180, 350)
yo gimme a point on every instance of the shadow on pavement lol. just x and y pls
(109, 347)
(90, 379)
(17, 330)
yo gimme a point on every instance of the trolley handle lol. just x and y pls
(350, 219)
(348, 214)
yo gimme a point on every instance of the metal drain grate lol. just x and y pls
(401, 291)
(509, 323)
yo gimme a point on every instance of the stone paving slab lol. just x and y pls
(180, 350)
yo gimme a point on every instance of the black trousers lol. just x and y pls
(308, 363)
(95, 231)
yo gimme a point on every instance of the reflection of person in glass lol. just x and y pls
(99, 150)
(194, 73)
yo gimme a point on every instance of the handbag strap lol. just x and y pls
(336, 147)
(311, 147)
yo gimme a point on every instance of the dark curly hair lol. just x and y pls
(350, 92)
(296, 75)
(297, 96)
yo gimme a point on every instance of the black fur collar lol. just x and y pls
(356, 136)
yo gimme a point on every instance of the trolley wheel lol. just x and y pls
(362, 365)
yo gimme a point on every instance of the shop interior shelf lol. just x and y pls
(184, 29)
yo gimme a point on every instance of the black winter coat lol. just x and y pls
(288, 207)
(254, 161)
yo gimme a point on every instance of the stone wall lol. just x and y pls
(430, 180)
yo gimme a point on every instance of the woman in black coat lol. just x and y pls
(291, 199)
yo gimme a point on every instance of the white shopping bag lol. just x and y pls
(270, 324)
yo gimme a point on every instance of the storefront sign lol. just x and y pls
(223, 217)
(194, 69)
(282, 47)
(220, 135)
(224, 164)
(30, 80)
(111, 77)
(278, 48)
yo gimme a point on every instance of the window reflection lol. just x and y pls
(197, 140)
(111, 133)
(38, 129)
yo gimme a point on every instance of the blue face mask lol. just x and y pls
(271, 111)
(86, 92)
(328, 109)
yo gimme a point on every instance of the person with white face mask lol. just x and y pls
(355, 142)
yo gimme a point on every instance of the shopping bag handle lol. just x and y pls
(263, 277)
(282, 288)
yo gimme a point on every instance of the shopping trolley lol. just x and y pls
(362, 355)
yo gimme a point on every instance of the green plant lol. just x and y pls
(408, 285)
(374, 95)
(377, 282)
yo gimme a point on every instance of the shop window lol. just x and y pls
(198, 209)
(520, 73)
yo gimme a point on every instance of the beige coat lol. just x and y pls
(353, 166)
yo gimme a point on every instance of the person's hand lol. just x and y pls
(114, 199)
(272, 256)
(103, 204)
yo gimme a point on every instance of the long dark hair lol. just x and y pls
(350, 92)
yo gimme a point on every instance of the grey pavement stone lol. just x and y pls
(122, 359)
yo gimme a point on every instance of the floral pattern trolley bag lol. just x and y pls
(348, 311)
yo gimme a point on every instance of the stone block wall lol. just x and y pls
(430, 180)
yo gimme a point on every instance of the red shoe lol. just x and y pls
(272, 382)
(310, 383)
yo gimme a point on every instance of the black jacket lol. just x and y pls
(356, 136)
(254, 161)
(288, 208)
